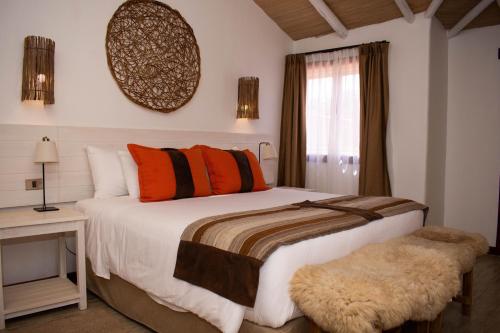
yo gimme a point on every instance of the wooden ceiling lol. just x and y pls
(451, 11)
(299, 19)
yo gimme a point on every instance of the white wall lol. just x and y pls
(408, 85)
(236, 38)
(473, 131)
(436, 144)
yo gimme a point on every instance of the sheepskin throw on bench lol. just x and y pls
(381, 286)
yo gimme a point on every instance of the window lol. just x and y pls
(332, 110)
(333, 121)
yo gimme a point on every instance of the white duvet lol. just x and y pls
(138, 242)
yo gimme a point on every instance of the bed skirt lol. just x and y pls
(137, 305)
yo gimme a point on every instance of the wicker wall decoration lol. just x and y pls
(153, 55)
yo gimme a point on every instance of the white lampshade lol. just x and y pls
(269, 152)
(46, 151)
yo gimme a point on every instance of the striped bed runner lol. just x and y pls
(224, 253)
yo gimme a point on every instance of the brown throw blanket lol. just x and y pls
(224, 253)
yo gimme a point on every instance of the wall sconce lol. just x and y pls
(248, 98)
(38, 70)
(268, 151)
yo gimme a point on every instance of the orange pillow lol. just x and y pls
(233, 171)
(169, 173)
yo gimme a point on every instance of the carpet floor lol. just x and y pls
(99, 318)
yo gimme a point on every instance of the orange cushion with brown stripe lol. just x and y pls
(233, 171)
(168, 173)
(259, 183)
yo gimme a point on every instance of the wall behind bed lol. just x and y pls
(70, 179)
(236, 38)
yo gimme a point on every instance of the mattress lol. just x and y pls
(138, 242)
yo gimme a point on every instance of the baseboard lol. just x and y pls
(494, 251)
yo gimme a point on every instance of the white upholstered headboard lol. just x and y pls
(70, 179)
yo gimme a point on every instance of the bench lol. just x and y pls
(401, 285)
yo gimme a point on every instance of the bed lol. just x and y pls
(136, 243)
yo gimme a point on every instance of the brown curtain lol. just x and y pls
(292, 159)
(374, 108)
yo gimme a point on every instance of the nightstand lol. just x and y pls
(25, 298)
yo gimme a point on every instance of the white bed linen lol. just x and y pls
(138, 242)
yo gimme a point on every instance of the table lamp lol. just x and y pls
(46, 152)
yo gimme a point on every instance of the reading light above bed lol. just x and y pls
(248, 98)
(38, 70)
(268, 151)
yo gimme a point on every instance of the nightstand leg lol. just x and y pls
(80, 267)
(62, 256)
(2, 315)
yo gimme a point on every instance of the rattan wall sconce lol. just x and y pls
(38, 70)
(248, 98)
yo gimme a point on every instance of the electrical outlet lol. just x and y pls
(33, 184)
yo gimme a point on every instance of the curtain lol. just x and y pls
(292, 156)
(374, 91)
(333, 121)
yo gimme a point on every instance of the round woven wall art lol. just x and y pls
(153, 55)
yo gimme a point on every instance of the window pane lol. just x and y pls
(318, 106)
(348, 116)
(322, 119)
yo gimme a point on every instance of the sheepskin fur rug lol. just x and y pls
(380, 286)
(376, 288)
(458, 245)
(474, 241)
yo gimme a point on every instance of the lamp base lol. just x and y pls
(45, 209)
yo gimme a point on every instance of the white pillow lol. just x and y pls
(129, 168)
(106, 173)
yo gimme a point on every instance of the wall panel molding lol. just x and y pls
(70, 179)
